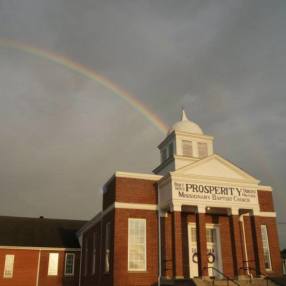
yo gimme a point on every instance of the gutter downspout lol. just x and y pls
(159, 239)
(38, 268)
(244, 242)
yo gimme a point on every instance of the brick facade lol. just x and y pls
(31, 268)
(174, 238)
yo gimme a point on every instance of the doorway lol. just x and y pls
(213, 250)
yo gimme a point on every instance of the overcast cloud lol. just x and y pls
(62, 135)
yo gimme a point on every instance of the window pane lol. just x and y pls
(85, 256)
(266, 250)
(9, 266)
(94, 254)
(53, 264)
(202, 149)
(107, 247)
(69, 264)
(187, 148)
(194, 234)
(137, 245)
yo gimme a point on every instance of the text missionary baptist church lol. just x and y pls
(198, 216)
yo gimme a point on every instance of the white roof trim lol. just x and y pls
(151, 207)
(267, 214)
(264, 188)
(137, 176)
(227, 163)
(38, 248)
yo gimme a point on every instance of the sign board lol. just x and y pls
(214, 193)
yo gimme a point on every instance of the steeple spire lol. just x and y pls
(184, 115)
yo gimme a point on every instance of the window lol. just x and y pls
(94, 254)
(9, 266)
(69, 264)
(211, 235)
(163, 155)
(85, 257)
(136, 244)
(170, 150)
(187, 147)
(266, 250)
(107, 247)
(202, 149)
(53, 264)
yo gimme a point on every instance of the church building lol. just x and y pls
(197, 217)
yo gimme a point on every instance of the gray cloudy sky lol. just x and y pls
(62, 135)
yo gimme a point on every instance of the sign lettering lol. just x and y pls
(215, 193)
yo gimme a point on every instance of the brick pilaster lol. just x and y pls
(202, 244)
(177, 245)
(236, 245)
(257, 241)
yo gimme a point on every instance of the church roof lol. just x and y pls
(39, 232)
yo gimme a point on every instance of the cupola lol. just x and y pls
(184, 144)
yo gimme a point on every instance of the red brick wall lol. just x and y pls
(121, 274)
(60, 279)
(273, 244)
(136, 191)
(265, 201)
(99, 277)
(227, 247)
(25, 267)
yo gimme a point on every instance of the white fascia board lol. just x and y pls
(267, 214)
(151, 207)
(38, 248)
(194, 135)
(137, 176)
(264, 188)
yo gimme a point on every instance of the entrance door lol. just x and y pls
(213, 250)
(193, 251)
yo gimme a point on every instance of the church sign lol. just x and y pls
(215, 193)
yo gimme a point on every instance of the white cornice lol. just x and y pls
(267, 214)
(138, 176)
(115, 205)
(38, 248)
(194, 135)
(264, 188)
(150, 207)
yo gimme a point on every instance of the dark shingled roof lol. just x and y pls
(39, 232)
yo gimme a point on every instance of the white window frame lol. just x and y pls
(107, 247)
(145, 246)
(9, 266)
(94, 254)
(266, 246)
(73, 262)
(51, 269)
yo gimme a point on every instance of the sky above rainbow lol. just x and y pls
(68, 116)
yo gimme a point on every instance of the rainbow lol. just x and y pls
(90, 74)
